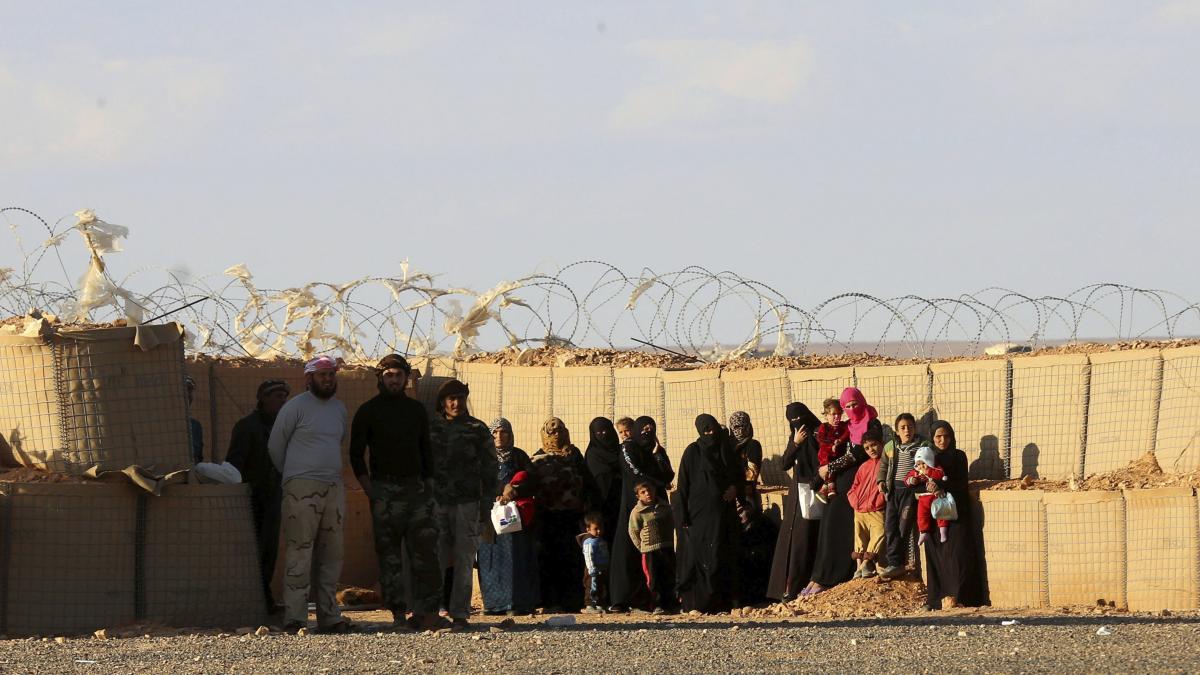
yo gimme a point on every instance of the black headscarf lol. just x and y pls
(942, 424)
(603, 454)
(647, 439)
(806, 417)
(710, 443)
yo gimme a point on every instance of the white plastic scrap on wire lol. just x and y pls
(95, 288)
(720, 315)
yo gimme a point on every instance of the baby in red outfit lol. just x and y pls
(833, 438)
(925, 472)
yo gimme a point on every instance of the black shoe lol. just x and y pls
(460, 625)
(431, 622)
(293, 626)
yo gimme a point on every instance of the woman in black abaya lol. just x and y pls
(603, 456)
(710, 479)
(836, 540)
(626, 582)
(952, 567)
(796, 547)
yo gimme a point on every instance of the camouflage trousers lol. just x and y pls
(458, 543)
(312, 528)
(406, 533)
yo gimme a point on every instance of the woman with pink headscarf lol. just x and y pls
(836, 539)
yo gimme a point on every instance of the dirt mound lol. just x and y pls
(1140, 474)
(808, 361)
(858, 598)
(565, 357)
(1125, 345)
(353, 596)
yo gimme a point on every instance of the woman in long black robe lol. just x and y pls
(952, 566)
(796, 547)
(710, 480)
(603, 456)
(836, 541)
(626, 582)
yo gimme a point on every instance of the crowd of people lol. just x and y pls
(612, 528)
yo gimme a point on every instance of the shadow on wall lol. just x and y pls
(1029, 461)
(925, 423)
(11, 451)
(980, 519)
(989, 464)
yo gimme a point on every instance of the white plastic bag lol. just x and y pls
(811, 508)
(944, 508)
(207, 472)
(506, 518)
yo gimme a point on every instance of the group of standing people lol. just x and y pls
(602, 530)
(876, 499)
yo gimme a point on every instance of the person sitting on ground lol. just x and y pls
(868, 502)
(925, 472)
(833, 438)
(652, 529)
(595, 561)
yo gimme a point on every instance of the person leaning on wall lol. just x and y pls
(306, 448)
(398, 480)
(248, 452)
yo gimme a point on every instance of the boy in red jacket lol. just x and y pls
(868, 502)
(925, 472)
(833, 438)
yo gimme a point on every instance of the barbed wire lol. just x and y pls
(590, 303)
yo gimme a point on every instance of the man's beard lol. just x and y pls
(322, 392)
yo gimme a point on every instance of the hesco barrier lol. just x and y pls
(200, 557)
(1045, 416)
(1052, 416)
(110, 397)
(1136, 549)
(78, 557)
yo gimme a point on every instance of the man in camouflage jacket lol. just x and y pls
(464, 462)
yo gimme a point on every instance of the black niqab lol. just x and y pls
(799, 415)
(603, 452)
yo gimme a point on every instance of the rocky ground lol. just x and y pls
(948, 641)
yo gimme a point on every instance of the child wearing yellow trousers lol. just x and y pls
(868, 504)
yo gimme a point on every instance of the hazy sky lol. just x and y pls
(819, 147)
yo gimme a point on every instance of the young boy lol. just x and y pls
(624, 428)
(833, 438)
(652, 529)
(925, 472)
(595, 559)
(867, 502)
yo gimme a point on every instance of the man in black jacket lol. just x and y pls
(248, 452)
(397, 479)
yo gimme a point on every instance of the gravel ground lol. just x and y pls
(948, 642)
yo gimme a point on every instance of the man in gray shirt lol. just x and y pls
(306, 448)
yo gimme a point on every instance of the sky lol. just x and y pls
(887, 148)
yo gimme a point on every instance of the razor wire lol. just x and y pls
(715, 315)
